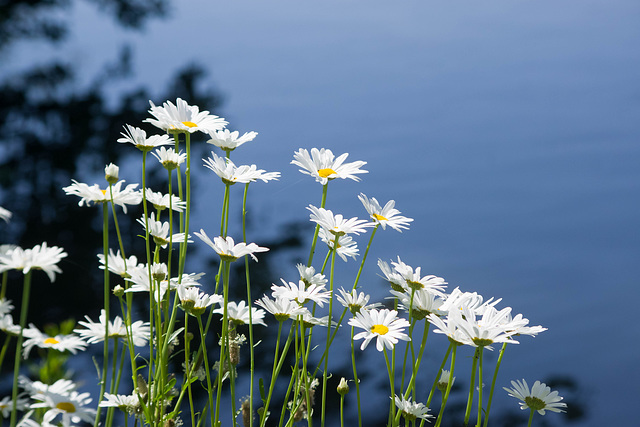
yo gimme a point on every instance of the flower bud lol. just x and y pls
(343, 387)
(111, 173)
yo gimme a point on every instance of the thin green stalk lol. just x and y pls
(479, 422)
(493, 383)
(355, 377)
(224, 347)
(391, 372)
(472, 381)
(107, 295)
(530, 417)
(449, 384)
(26, 290)
(328, 342)
(317, 230)
(364, 257)
(249, 304)
(435, 383)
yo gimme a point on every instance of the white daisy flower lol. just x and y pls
(94, 331)
(239, 313)
(159, 230)
(230, 174)
(347, 247)
(309, 276)
(35, 338)
(281, 308)
(412, 410)
(5, 214)
(385, 216)
(300, 293)
(5, 306)
(35, 388)
(169, 159)
(540, 398)
(93, 194)
(422, 302)
(184, 117)
(126, 403)
(40, 257)
(448, 326)
(384, 325)
(395, 280)
(73, 408)
(323, 166)
(162, 201)
(229, 141)
(355, 301)
(443, 382)
(6, 405)
(119, 265)
(228, 249)
(337, 224)
(7, 325)
(472, 300)
(138, 137)
(196, 302)
(414, 280)
(489, 329)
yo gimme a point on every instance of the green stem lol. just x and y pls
(449, 384)
(107, 294)
(26, 290)
(493, 383)
(355, 377)
(472, 384)
(317, 230)
(480, 387)
(530, 417)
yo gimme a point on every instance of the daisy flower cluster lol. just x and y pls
(163, 331)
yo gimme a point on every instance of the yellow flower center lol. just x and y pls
(51, 341)
(379, 329)
(324, 173)
(379, 217)
(66, 406)
(104, 192)
(190, 124)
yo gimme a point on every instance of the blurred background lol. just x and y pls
(509, 130)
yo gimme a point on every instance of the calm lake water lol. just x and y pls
(509, 130)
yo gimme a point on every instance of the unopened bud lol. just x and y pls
(111, 172)
(343, 387)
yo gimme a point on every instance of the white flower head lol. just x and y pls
(412, 410)
(281, 308)
(228, 249)
(117, 264)
(138, 137)
(239, 313)
(94, 332)
(386, 215)
(540, 398)
(355, 301)
(40, 257)
(384, 325)
(71, 343)
(347, 247)
(160, 231)
(182, 117)
(93, 194)
(169, 159)
(196, 302)
(230, 174)
(229, 141)
(5, 214)
(72, 408)
(162, 201)
(337, 224)
(309, 276)
(301, 293)
(323, 166)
